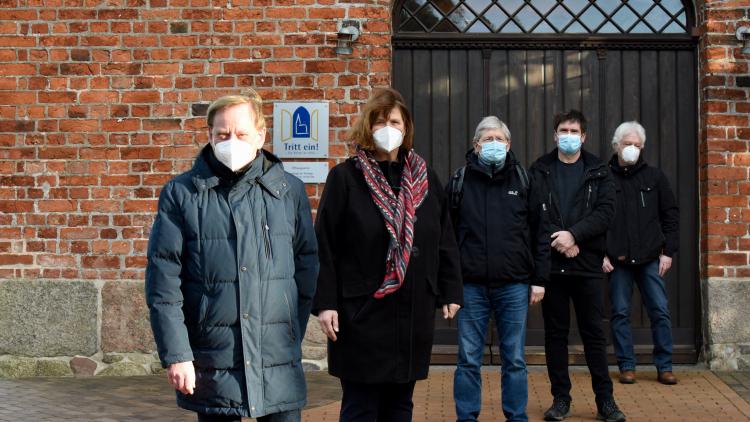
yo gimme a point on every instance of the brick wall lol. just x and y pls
(725, 136)
(725, 188)
(100, 105)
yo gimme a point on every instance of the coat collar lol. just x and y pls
(626, 171)
(472, 162)
(273, 179)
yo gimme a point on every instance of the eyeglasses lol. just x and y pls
(493, 138)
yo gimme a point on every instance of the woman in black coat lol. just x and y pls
(388, 259)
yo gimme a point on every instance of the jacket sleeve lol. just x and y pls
(163, 294)
(540, 234)
(330, 210)
(669, 214)
(450, 281)
(305, 258)
(597, 221)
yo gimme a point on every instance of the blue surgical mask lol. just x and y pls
(569, 143)
(493, 153)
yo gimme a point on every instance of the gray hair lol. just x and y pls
(489, 123)
(627, 128)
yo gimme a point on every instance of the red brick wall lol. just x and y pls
(97, 109)
(97, 112)
(724, 140)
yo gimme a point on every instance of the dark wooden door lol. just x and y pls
(450, 90)
(450, 84)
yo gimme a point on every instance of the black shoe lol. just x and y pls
(609, 412)
(559, 410)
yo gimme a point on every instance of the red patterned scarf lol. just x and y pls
(398, 212)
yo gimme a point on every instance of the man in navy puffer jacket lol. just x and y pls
(232, 269)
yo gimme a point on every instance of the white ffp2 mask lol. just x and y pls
(630, 154)
(234, 154)
(388, 138)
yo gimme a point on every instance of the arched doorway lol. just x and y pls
(525, 60)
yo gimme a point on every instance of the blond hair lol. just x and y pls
(251, 97)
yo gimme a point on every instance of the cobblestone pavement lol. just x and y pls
(701, 396)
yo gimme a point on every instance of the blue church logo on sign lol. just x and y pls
(301, 123)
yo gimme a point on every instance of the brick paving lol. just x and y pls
(701, 395)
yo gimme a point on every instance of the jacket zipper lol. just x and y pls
(643, 200)
(588, 196)
(551, 205)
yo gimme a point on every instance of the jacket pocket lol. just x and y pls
(358, 298)
(267, 239)
(202, 315)
(646, 196)
(291, 321)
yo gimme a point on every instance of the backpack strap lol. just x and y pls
(457, 188)
(523, 175)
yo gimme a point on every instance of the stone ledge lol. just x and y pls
(48, 318)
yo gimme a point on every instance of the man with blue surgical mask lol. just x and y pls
(579, 195)
(504, 244)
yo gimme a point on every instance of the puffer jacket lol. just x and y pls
(229, 283)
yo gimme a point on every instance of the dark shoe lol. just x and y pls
(667, 378)
(559, 410)
(627, 377)
(609, 412)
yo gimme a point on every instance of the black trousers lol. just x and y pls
(388, 402)
(587, 294)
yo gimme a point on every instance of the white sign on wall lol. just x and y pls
(308, 172)
(300, 130)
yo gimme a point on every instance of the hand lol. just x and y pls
(537, 294)
(329, 323)
(571, 252)
(562, 239)
(181, 376)
(607, 266)
(665, 263)
(449, 311)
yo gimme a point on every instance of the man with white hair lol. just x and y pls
(505, 259)
(641, 243)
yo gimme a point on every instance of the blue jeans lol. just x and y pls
(654, 295)
(510, 305)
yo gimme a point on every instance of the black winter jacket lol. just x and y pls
(500, 226)
(646, 218)
(229, 285)
(593, 212)
(388, 339)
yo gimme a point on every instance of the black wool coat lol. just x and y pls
(646, 218)
(591, 216)
(388, 339)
